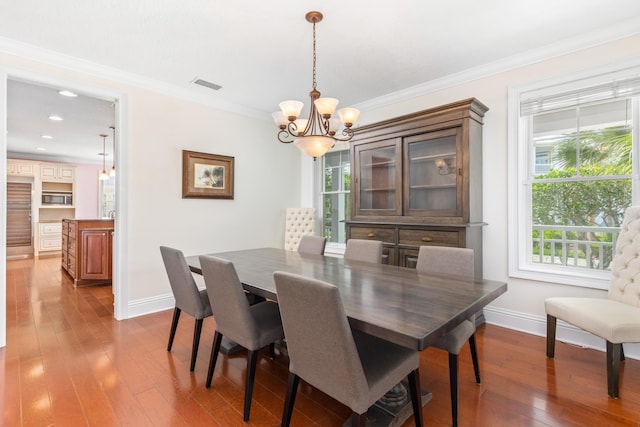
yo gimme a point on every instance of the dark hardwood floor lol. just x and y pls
(69, 363)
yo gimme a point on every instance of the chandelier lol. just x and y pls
(319, 133)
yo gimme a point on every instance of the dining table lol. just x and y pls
(397, 304)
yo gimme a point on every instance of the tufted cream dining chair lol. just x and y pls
(298, 222)
(616, 318)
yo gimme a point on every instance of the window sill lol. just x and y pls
(585, 279)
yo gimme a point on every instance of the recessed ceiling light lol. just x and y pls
(41, 149)
(67, 93)
(55, 118)
(47, 137)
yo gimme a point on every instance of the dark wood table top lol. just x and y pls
(393, 303)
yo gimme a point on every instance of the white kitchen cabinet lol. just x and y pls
(49, 236)
(51, 172)
(19, 168)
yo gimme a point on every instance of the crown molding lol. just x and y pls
(621, 30)
(71, 63)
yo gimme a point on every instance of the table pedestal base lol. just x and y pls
(228, 347)
(393, 409)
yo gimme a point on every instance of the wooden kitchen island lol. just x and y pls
(86, 250)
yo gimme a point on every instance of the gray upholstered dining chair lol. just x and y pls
(458, 261)
(253, 327)
(363, 250)
(187, 295)
(313, 245)
(616, 318)
(352, 367)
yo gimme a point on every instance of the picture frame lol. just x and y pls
(207, 176)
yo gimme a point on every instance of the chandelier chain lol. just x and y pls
(314, 55)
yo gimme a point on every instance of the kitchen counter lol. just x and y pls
(86, 250)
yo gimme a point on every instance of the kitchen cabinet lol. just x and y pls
(417, 180)
(49, 236)
(51, 172)
(86, 250)
(20, 168)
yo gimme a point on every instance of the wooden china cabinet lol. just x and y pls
(417, 180)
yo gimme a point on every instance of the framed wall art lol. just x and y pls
(206, 176)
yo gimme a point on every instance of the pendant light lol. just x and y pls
(104, 175)
(113, 163)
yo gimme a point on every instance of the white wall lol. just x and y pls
(522, 307)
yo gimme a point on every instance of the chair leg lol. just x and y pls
(453, 385)
(197, 330)
(358, 420)
(474, 357)
(217, 340)
(622, 359)
(251, 374)
(272, 350)
(613, 368)
(174, 326)
(416, 396)
(292, 388)
(551, 336)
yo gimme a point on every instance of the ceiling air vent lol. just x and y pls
(206, 84)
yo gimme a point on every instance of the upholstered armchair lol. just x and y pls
(298, 222)
(616, 319)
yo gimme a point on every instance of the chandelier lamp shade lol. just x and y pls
(319, 133)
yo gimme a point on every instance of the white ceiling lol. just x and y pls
(76, 138)
(260, 52)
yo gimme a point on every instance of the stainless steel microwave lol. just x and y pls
(60, 199)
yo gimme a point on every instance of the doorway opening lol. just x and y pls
(117, 106)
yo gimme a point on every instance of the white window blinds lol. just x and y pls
(534, 103)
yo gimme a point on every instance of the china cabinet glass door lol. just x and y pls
(434, 173)
(378, 169)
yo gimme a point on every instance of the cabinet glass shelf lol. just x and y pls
(379, 189)
(384, 165)
(434, 156)
(431, 186)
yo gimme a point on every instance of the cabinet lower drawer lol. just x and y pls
(50, 243)
(71, 266)
(51, 228)
(71, 246)
(387, 235)
(73, 230)
(415, 237)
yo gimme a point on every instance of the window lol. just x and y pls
(107, 197)
(573, 171)
(336, 202)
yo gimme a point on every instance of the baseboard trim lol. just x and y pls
(143, 306)
(565, 332)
